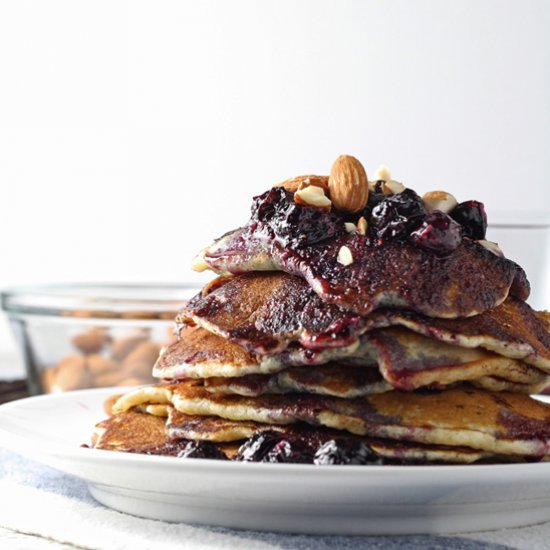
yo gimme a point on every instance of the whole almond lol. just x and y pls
(48, 378)
(92, 340)
(348, 184)
(299, 182)
(97, 364)
(141, 360)
(111, 378)
(71, 374)
(121, 347)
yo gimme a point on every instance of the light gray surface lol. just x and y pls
(12, 540)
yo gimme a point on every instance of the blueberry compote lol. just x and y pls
(273, 447)
(400, 217)
(201, 449)
(294, 225)
(438, 233)
(346, 451)
(396, 216)
(472, 217)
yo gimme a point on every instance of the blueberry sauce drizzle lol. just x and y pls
(400, 217)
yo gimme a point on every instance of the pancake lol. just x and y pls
(331, 379)
(201, 354)
(209, 428)
(501, 423)
(513, 330)
(136, 432)
(406, 360)
(351, 382)
(216, 429)
(467, 282)
(409, 361)
(268, 313)
(131, 432)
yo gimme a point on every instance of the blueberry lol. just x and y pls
(346, 451)
(293, 224)
(397, 215)
(438, 233)
(273, 447)
(258, 446)
(472, 217)
(201, 449)
(375, 198)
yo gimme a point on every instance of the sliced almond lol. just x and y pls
(348, 184)
(392, 187)
(492, 247)
(382, 173)
(344, 256)
(198, 263)
(439, 200)
(300, 182)
(312, 196)
(362, 226)
(350, 227)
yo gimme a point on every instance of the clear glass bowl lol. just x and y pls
(525, 238)
(92, 335)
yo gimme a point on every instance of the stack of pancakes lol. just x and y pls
(417, 358)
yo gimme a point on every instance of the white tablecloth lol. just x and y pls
(58, 511)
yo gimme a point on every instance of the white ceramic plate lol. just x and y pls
(276, 497)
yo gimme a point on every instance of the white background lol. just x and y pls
(133, 133)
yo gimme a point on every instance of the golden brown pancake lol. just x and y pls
(501, 423)
(216, 429)
(264, 312)
(201, 354)
(270, 313)
(351, 382)
(409, 361)
(136, 432)
(513, 330)
(209, 428)
(406, 360)
(130, 431)
(331, 379)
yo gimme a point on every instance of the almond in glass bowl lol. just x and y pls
(92, 335)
